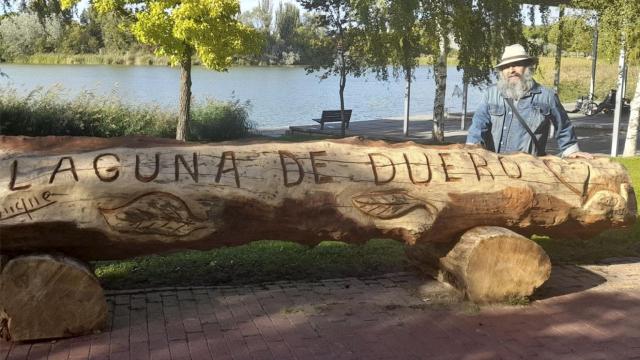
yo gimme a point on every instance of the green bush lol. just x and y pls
(48, 112)
(216, 121)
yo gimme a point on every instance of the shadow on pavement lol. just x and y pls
(568, 279)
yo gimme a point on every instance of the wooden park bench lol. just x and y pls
(333, 116)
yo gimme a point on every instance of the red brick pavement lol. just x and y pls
(590, 312)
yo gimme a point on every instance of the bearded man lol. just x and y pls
(516, 113)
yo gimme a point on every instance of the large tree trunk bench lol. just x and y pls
(463, 212)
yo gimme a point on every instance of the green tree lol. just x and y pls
(438, 14)
(115, 35)
(620, 27)
(42, 8)
(287, 24)
(23, 34)
(181, 29)
(287, 21)
(260, 17)
(482, 29)
(77, 40)
(338, 54)
(307, 34)
(577, 34)
(394, 36)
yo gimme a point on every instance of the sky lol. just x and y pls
(246, 5)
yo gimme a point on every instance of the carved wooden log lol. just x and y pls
(117, 198)
(488, 264)
(43, 297)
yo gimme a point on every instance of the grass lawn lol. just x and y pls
(258, 262)
(575, 75)
(269, 261)
(612, 243)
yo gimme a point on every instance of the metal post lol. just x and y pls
(594, 59)
(619, 95)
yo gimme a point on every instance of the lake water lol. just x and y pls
(279, 96)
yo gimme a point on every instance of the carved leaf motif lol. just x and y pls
(387, 204)
(154, 213)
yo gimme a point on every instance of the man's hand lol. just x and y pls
(579, 155)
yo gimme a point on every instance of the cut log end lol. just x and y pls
(43, 296)
(492, 264)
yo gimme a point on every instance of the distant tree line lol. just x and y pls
(38, 27)
(291, 36)
(26, 32)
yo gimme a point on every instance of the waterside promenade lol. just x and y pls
(594, 132)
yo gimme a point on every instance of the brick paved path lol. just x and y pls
(590, 312)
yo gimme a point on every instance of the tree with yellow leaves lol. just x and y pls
(180, 29)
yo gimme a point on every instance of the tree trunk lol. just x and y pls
(407, 100)
(634, 117)
(558, 58)
(594, 58)
(343, 70)
(488, 264)
(122, 197)
(465, 95)
(440, 72)
(43, 297)
(184, 117)
(343, 83)
(617, 112)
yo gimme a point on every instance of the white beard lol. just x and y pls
(516, 90)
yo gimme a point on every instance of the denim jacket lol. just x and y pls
(496, 128)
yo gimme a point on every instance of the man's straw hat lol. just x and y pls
(514, 53)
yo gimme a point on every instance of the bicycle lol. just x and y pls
(589, 107)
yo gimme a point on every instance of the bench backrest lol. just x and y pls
(334, 115)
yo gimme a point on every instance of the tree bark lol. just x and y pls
(440, 72)
(465, 94)
(617, 112)
(184, 116)
(122, 197)
(343, 70)
(559, 45)
(407, 100)
(632, 129)
(43, 297)
(343, 83)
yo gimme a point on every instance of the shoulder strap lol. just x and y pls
(525, 126)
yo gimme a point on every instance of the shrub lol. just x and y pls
(47, 112)
(216, 121)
